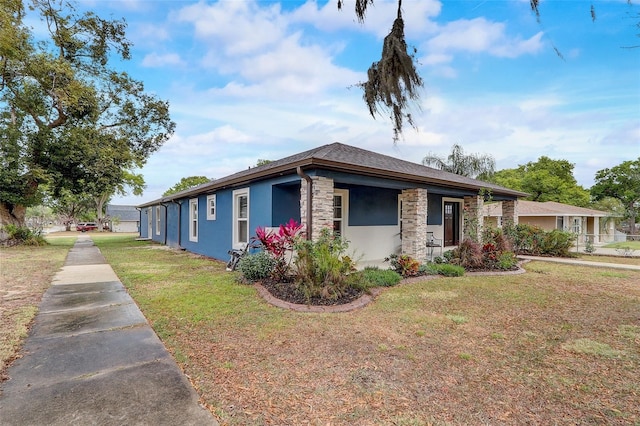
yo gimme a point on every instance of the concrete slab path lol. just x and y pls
(92, 359)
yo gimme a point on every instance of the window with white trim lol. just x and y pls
(577, 222)
(211, 207)
(340, 201)
(158, 220)
(240, 217)
(193, 220)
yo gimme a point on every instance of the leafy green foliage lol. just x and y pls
(470, 165)
(449, 270)
(376, 277)
(186, 183)
(404, 265)
(67, 119)
(528, 239)
(621, 182)
(257, 266)
(322, 266)
(546, 180)
(21, 235)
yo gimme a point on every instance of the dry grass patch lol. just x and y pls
(402, 360)
(25, 274)
(611, 259)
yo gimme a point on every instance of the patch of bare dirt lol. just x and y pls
(25, 274)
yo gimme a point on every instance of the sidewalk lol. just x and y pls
(91, 358)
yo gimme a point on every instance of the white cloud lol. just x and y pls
(235, 28)
(481, 36)
(157, 60)
(378, 20)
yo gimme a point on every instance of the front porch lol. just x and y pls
(383, 221)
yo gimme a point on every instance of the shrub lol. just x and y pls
(430, 268)
(321, 267)
(506, 260)
(449, 270)
(469, 255)
(527, 239)
(404, 265)
(376, 277)
(556, 243)
(257, 266)
(279, 245)
(21, 235)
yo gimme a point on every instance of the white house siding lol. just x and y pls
(373, 243)
(125, 227)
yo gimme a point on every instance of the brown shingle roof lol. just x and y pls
(547, 208)
(350, 159)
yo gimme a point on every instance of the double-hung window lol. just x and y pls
(193, 220)
(240, 217)
(158, 220)
(211, 207)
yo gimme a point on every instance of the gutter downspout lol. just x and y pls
(309, 199)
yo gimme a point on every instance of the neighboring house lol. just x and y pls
(123, 218)
(381, 204)
(552, 215)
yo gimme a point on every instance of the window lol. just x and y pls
(340, 202)
(240, 218)
(211, 207)
(560, 223)
(193, 220)
(157, 220)
(337, 214)
(577, 222)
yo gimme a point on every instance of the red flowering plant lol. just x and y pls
(278, 245)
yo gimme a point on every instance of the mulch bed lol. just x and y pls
(288, 292)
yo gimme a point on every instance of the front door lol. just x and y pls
(451, 223)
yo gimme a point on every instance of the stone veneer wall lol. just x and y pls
(321, 204)
(510, 213)
(414, 223)
(473, 217)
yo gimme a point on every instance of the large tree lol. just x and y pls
(545, 180)
(186, 183)
(66, 116)
(623, 183)
(470, 165)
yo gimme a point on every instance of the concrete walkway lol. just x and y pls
(92, 359)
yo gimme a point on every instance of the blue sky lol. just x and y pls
(249, 80)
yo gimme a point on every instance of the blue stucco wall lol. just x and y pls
(215, 237)
(286, 203)
(369, 206)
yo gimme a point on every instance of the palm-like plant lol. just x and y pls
(470, 165)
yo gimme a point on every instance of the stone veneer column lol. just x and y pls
(414, 223)
(321, 204)
(510, 213)
(473, 217)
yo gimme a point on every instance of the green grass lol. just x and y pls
(633, 245)
(464, 350)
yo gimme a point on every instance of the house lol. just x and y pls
(551, 215)
(380, 204)
(123, 218)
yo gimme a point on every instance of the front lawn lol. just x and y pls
(557, 345)
(633, 245)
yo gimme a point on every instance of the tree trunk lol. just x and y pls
(12, 214)
(99, 210)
